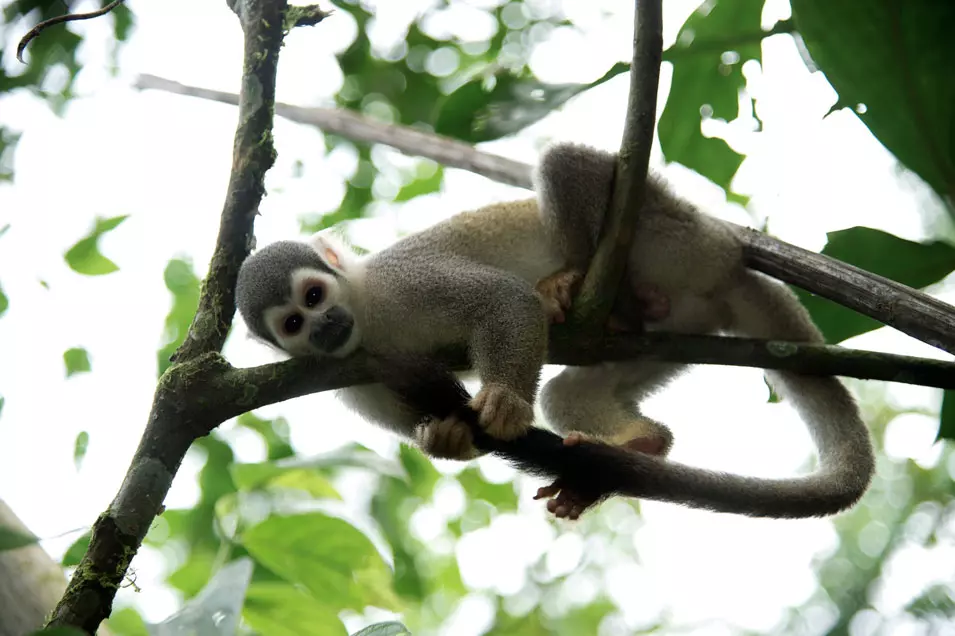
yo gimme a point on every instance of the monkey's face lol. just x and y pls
(316, 320)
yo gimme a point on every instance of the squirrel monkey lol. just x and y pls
(492, 279)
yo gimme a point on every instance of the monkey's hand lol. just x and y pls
(557, 292)
(449, 438)
(502, 412)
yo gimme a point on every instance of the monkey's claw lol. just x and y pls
(449, 438)
(557, 292)
(502, 412)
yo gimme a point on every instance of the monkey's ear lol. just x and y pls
(333, 251)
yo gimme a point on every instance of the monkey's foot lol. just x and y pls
(501, 412)
(557, 292)
(564, 503)
(449, 438)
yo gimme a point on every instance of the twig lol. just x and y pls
(598, 292)
(69, 17)
(308, 15)
(180, 413)
(896, 305)
(444, 150)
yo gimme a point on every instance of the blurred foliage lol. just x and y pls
(85, 258)
(708, 59)
(183, 284)
(76, 360)
(51, 59)
(896, 60)
(80, 446)
(313, 559)
(11, 539)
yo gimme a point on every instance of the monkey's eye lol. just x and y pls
(293, 324)
(314, 295)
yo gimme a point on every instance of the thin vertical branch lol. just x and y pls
(596, 297)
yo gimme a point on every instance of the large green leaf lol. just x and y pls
(704, 80)
(4, 302)
(329, 556)
(898, 59)
(914, 264)
(84, 257)
(278, 609)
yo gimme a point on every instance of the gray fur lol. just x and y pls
(265, 280)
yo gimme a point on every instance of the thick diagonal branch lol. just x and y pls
(179, 414)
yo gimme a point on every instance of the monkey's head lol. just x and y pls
(294, 295)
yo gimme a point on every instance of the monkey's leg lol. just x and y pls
(599, 403)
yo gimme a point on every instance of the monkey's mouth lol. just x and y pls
(333, 336)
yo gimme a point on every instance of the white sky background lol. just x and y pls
(165, 160)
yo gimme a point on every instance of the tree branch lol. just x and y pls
(444, 150)
(242, 390)
(910, 311)
(595, 300)
(68, 17)
(179, 412)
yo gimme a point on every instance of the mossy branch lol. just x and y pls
(179, 412)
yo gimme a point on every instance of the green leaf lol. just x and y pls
(270, 475)
(422, 475)
(85, 258)
(501, 496)
(896, 59)
(914, 264)
(391, 628)
(80, 446)
(4, 302)
(127, 622)
(474, 112)
(702, 81)
(77, 360)
(946, 426)
(428, 180)
(329, 556)
(75, 553)
(278, 609)
(183, 283)
(11, 539)
(2, 402)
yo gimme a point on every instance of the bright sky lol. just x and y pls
(165, 160)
